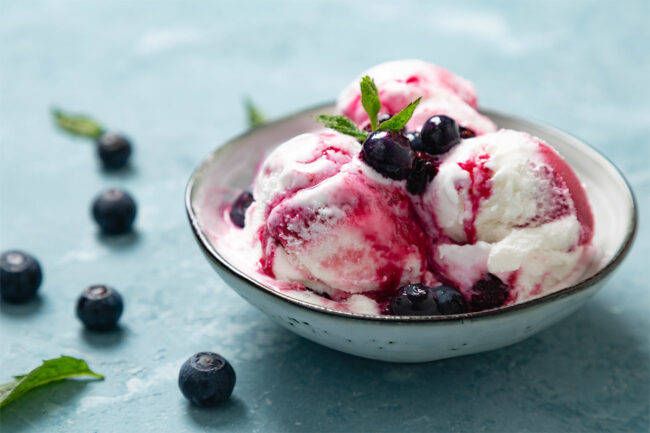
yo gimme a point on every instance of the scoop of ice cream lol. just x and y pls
(301, 162)
(506, 203)
(505, 219)
(321, 221)
(401, 82)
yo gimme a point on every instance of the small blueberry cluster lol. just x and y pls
(421, 300)
(411, 156)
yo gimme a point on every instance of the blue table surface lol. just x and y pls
(173, 75)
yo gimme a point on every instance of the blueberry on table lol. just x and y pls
(114, 150)
(439, 134)
(20, 276)
(239, 206)
(488, 292)
(114, 210)
(389, 153)
(206, 379)
(99, 307)
(450, 300)
(414, 300)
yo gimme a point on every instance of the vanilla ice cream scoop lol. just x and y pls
(507, 204)
(321, 221)
(401, 82)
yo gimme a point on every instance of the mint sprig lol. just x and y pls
(372, 105)
(399, 121)
(255, 115)
(52, 370)
(77, 124)
(370, 100)
(342, 124)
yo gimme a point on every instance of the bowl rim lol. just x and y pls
(210, 251)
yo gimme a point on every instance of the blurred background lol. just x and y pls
(173, 77)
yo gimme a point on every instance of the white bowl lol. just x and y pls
(419, 338)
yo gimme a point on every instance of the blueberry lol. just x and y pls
(389, 153)
(415, 139)
(466, 132)
(380, 119)
(488, 292)
(99, 307)
(20, 276)
(414, 300)
(383, 117)
(439, 134)
(206, 379)
(114, 150)
(114, 210)
(450, 301)
(422, 172)
(239, 206)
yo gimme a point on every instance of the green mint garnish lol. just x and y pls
(79, 125)
(398, 121)
(255, 116)
(370, 100)
(372, 105)
(51, 370)
(342, 124)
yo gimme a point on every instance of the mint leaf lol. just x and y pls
(370, 100)
(51, 370)
(77, 124)
(255, 116)
(398, 121)
(342, 124)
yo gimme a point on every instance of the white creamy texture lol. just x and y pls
(297, 163)
(318, 250)
(510, 225)
(519, 190)
(303, 161)
(319, 201)
(401, 82)
(304, 253)
(362, 304)
(305, 265)
(511, 252)
(542, 269)
(467, 263)
(356, 303)
(244, 257)
(391, 78)
(450, 105)
(307, 192)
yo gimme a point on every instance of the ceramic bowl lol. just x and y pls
(421, 338)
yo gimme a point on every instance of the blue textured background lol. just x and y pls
(173, 76)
